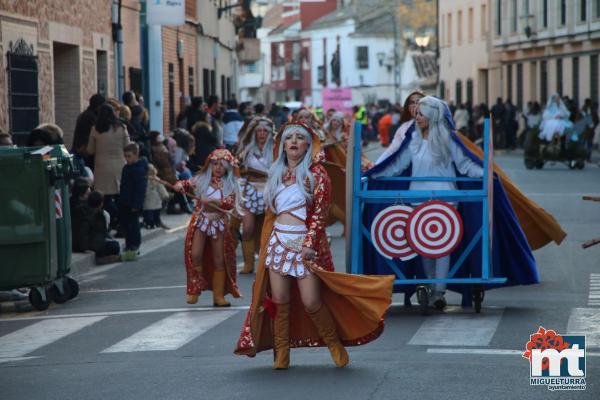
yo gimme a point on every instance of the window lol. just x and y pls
(191, 81)
(171, 95)
(583, 10)
(509, 82)
(23, 94)
(575, 75)
(223, 88)
(205, 83)
(545, 13)
(594, 77)
(520, 86)
(296, 61)
(470, 25)
(498, 17)
(483, 20)
(362, 57)
(559, 76)
(597, 8)
(449, 31)
(470, 91)
(563, 12)
(514, 16)
(458, 92)
(459, 27)
(543, 82)
(442, 89)
(213, 82)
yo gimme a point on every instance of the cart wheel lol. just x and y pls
(35, 298)
(478, 295)
(56, 296)
(539, 164)
(423, 299)
(73, 286)
(529, 163)
(571, 164)
(580, 164)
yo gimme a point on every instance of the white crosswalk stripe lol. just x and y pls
(458, 329)
(40, 334)
(594, 294)
(171, 333)
(586, 321)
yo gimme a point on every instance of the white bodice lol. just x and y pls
(290, 199)
(258, 163)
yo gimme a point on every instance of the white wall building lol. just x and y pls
(364, 58)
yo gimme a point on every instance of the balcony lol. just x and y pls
(248, 50)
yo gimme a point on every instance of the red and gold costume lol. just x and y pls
(356, 304)
(203, 277)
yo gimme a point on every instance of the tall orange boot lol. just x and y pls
(193, 298)
(219, 289)
(328, 332)
(281, 336)
(248, 252)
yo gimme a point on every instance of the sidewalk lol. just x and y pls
(83, 262)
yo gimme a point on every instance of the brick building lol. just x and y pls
(53, 60)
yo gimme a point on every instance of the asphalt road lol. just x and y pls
(130, 335)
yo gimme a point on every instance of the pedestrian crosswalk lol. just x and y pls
(594, 294)
(171, 333)
(454, 331)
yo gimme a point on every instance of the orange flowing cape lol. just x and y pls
(539, 226)
(357, 302)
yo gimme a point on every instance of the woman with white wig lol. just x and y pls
(255, 153)
(434, 149)
(209, 252)
(433, 154)
(297, 299)
(555, 119)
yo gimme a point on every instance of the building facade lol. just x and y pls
(465, 33)
(546, 47)
(53, 60)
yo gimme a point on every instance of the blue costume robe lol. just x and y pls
(512, 257)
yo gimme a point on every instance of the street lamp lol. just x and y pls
(422, 42)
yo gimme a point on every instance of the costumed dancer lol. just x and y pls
(432, 148)
(209, 250)
(297, 299)
(256, 156)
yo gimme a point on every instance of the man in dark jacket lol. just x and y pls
(131, 197)
(233, 123)
(498, 116)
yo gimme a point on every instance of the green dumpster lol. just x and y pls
(35, 225)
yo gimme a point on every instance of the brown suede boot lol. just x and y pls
(248, 251)
(219, 289)
(281, 336)
(328, 332)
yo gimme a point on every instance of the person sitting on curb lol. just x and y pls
(94, 234)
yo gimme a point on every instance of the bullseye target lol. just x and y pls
(434, 229)
(388, 233)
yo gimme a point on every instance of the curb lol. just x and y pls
(80, 264)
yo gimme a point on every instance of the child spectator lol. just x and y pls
(94, 234)
(131, 198)
(79, 210)
(155, 195)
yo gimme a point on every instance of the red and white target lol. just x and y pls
(434, 229)
(388, 233)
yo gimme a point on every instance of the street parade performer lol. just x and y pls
(432, 148)
(297, 299)
(209, 253)
(255, 153)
